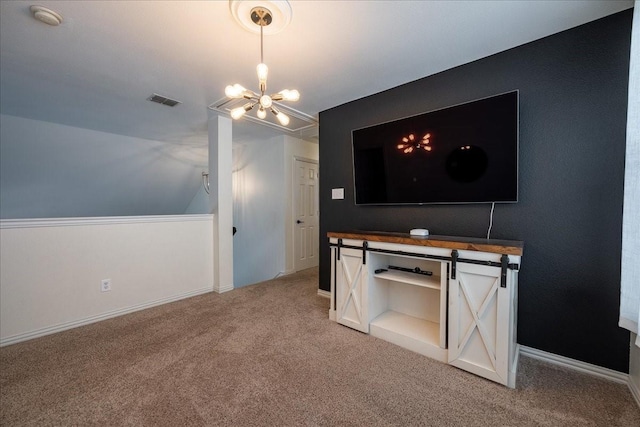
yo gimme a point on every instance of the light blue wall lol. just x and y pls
(50, 170)
(199, 204)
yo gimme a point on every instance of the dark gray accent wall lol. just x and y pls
(573, 104)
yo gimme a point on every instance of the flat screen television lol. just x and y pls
(467, 153)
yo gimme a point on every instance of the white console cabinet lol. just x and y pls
(449, 298)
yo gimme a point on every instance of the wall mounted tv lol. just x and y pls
(467, 153)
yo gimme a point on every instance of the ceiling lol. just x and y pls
(97, 69)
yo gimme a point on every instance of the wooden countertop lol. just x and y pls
(508, 247)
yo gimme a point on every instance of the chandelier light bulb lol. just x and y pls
(290, 95)
(266, 101)
(282, 118)
(235, 91)
(262, 113)
(236, 113)
(229, 91)
(263, 71)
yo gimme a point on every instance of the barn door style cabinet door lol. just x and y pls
(449, 298)
(482, 322)
(352, 296)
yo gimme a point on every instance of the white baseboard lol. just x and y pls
(14, 339)
(513, 372)
(284, 273)
(576, 365)
(323, 293)
(224, 289)
(635, 392)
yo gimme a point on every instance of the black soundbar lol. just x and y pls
(416, 270)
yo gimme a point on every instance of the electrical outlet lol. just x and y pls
(105, 285)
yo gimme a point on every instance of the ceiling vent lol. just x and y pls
(159, 99)
(299, 121)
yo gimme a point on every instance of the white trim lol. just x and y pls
(225, 105)
(512, 374)
(628, 324)
(305, 159)
(576, 365)
(93, 319)
(635, 392)
(223, 289)
(107, 220)
(324, 294)
(284, 273)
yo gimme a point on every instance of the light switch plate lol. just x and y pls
(337, 193)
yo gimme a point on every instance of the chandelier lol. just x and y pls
(262, 17)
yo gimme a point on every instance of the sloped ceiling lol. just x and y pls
(97, 68)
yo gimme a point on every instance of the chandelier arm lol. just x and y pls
(251, 95)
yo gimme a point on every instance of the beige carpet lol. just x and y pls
(268, 355)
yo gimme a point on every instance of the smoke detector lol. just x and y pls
(46, 15)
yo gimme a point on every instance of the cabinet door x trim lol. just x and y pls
(478, 313)
(352, 291)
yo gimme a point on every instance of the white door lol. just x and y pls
(479, 322)
(351, 290)
(305, 202)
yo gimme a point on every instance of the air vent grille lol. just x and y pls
(159, 99)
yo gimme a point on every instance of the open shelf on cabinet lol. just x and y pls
(409, 326)
(408, 308)
(432, 282)
(419, 335)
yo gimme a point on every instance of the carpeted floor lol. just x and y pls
(268, 355)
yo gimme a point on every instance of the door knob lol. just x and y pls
(299, 222)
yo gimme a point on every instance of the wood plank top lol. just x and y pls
(508, 247)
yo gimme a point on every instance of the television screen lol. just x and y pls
(467, 153)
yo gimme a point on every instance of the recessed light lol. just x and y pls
(46, 15)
